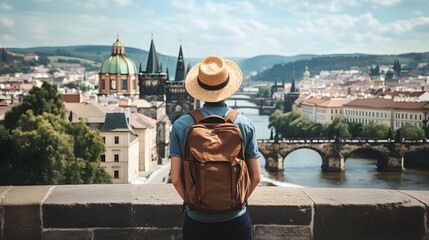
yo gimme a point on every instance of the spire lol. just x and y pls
(293, 88)
(140, 67)
(189, 68)
(180, 67)
(152, 59)
(168, 75)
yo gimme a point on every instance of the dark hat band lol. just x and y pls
(215, 87)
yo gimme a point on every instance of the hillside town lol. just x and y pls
(133, 108)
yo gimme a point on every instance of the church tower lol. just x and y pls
(179, 101)
(290, 97)
(152, 81)
(118, 74)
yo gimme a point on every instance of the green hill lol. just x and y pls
(409, 61)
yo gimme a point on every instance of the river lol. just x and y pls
(303, 167)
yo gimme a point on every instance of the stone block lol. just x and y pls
(3, 191)
(282, 206)
(152, 209)
(281, 232)
(88, 206)
(137, 234)
(23, 209)
(67, 234)
(423, 197)
(158, 234)
(365, 214)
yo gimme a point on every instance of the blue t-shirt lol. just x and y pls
(178, 136)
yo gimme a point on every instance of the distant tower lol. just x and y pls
(118, 74)
(306, 77)
(152, 81)
(179, 101)
(290, 97)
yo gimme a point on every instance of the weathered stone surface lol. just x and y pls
(3, 191)
(67, 234)
(423, 197)
(152, 209)
(274, 205)
(281, 232)
(137, 234)
(87, 206)
(365, 214)
(23, 209)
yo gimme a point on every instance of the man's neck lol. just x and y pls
(215, 104)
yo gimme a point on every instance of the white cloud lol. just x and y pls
(7, 22)
(381, 2)
(8, 37)
(402, 26)
(6, 6)
(123, 3)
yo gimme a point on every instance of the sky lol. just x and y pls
(226, 28)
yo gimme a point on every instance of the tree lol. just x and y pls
(338, 126)
(281, 123)
(264, 91)
(42, 147)
(375, 131)
(410, 131)
(39, 100)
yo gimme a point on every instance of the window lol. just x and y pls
(116, 157)
(104, 139)
(124, 84)
(116, 140)
(113, 84)
(116, 174)
(103, 84)
(103, 158)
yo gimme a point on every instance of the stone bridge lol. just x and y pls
(266, 106)
(390, 155)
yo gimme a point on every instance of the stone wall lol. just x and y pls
(92, 212)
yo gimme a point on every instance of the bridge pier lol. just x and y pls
(333, 163)
(394, 163)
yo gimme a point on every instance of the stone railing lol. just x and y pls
(91, 212)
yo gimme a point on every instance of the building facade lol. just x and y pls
(121, 156)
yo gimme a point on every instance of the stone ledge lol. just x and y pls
(153, 212)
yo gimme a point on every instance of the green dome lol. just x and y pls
(118, 43)
(118, 64)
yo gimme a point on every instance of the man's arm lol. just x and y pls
(176, 176)
(254, 168)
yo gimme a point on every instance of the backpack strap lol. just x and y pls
(231, 115)
(196, 115)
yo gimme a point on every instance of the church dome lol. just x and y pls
(306, 72)
(118, 63)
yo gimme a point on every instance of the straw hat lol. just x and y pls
(214, 79)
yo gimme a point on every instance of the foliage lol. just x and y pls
(355, 129)
(410, 131)
(279, 104)
(338, 128)
(375, 131)
(293, 125)
(42, 147)
(39, 100)
(264, 91)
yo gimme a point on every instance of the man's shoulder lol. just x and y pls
(242, 119)
(183, 121)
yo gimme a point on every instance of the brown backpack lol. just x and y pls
(214, 168)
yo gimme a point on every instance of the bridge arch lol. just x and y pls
(367, 152)
(296, 150)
